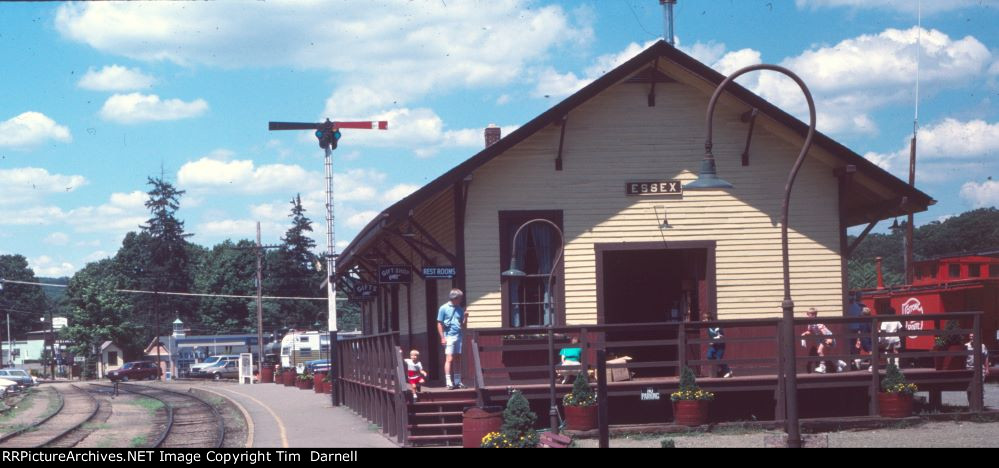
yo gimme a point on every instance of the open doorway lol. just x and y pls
(654, 283)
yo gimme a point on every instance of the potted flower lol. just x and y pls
(580, 405)
(518, 426)
(949, 341)
(317, 382)
(304, 382)
(690, 402)
(288, 377)
(895, 399)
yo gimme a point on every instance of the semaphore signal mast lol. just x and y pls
(328, 134)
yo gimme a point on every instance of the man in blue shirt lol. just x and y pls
(451, 319)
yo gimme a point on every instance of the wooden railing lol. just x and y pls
(371, 381)
(505, 357)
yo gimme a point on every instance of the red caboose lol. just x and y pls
(954, 283)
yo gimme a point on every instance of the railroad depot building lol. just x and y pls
(605, 170)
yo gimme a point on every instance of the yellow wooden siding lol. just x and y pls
(615, 138)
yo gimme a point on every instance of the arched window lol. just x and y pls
(534, 300)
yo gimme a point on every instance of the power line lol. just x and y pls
(165, 293)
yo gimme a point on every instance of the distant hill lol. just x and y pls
(969, 232)
(54, 295)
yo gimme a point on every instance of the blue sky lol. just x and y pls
(98, 96)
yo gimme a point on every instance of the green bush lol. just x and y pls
(667, 443)
(894, 382)
(582, 394)
(518, 425)
(689, 389)
(949, 337)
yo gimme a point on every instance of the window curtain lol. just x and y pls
(516, 310)
(543, 237)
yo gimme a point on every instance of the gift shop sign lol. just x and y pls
(395, 274)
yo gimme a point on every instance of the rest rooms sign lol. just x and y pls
(662, 187)
(439, 272)
(394, 274)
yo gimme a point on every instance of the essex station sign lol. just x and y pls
(660, 187)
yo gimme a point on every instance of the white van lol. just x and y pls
(199, 368)
(297, 347)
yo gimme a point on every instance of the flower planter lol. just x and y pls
(266, 374)
(581, 418)
(895, 405)
(317, 384)
(304, 384)
(950, 362)
(288, 378)
(690, 412)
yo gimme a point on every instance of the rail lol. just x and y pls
(516, 357)
(371, 381)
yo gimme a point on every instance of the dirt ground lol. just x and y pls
(928, 434)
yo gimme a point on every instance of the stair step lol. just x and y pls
(442, 414)
(435, 426)
(424, 404)
(434, 438)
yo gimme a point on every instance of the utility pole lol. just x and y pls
(328, 134)
(258, 250)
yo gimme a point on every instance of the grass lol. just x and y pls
(149, 404)
(138, 441)
(23, 404)
(96, 426)
(106, 442)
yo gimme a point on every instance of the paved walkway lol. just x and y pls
(286, 417)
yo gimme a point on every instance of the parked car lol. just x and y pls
(7, 386)
(319, 366)
(138, 370)
(197, 370)
(21, 376)
(225, 369)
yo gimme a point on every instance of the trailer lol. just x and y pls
(297, 347)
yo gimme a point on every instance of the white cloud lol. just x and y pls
(359, 220)
(38, 215)
(46, 266)
(239, 229)
(910, 7)
(115, 78)
(945, 150)
(137, 108)
(23, 185)
(241, 176)
(122, 213)
(57, 239)
(551, 83)
(980, 195)
(96, 256)
(31, 129)
(399, 192)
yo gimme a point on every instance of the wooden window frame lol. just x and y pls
(515, 219)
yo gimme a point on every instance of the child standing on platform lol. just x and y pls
(415, 374)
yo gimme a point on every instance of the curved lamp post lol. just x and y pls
(515, 272)
(708, 179)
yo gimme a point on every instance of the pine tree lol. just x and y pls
(518, 422)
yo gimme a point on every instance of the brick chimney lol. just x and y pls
(492, 135)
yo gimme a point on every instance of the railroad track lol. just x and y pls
(76, 408)
(191, 422)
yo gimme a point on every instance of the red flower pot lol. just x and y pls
(317, 384)
(304, 384)
(690, 412)
(581, 418)
(895, 405)
(288, 378)
(950, 362)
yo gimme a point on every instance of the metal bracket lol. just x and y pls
(749, 116)
(561, 143)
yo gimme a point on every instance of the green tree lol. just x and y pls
(518, 422)
(293, 271)
(25, 303)
(98, 313)
(227, 269)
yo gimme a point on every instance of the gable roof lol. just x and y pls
(916, 200)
